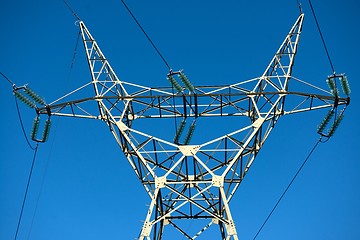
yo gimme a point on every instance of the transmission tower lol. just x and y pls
(189, 180)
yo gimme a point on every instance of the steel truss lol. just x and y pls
(192, 181)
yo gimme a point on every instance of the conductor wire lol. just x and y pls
(22, 125)
(146, 35)
(12, 84)
(26, 191)
(44, 174)
(72, 11)
(322, 37)
(288, 186)
(18, 111)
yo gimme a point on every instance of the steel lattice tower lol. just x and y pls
(192, 181)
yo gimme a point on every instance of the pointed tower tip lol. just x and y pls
(279, 70)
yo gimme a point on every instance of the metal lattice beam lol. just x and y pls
(192, 181)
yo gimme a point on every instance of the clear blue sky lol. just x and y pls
(82, 185)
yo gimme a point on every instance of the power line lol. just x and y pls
(22, 125)
(320, 139)
(287, 188)
(322, 37)
(26, 191)
(12, 84)
(72, 11)
(44, 174)
(157, 50)
(147, 36)
(18, 112)
(52, 143)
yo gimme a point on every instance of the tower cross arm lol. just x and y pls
(212, 104)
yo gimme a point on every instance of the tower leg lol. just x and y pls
(153, 227)
(147, 226)
(230, 229)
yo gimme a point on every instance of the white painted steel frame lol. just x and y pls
(192, 181)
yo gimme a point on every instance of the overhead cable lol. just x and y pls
(146, 35)
(26, 191)
(322, 37)
(12, 84)
(72, 11)
(288, 186)
(22, 125)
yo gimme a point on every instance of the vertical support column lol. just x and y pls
(147, 226)
(230, 229)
